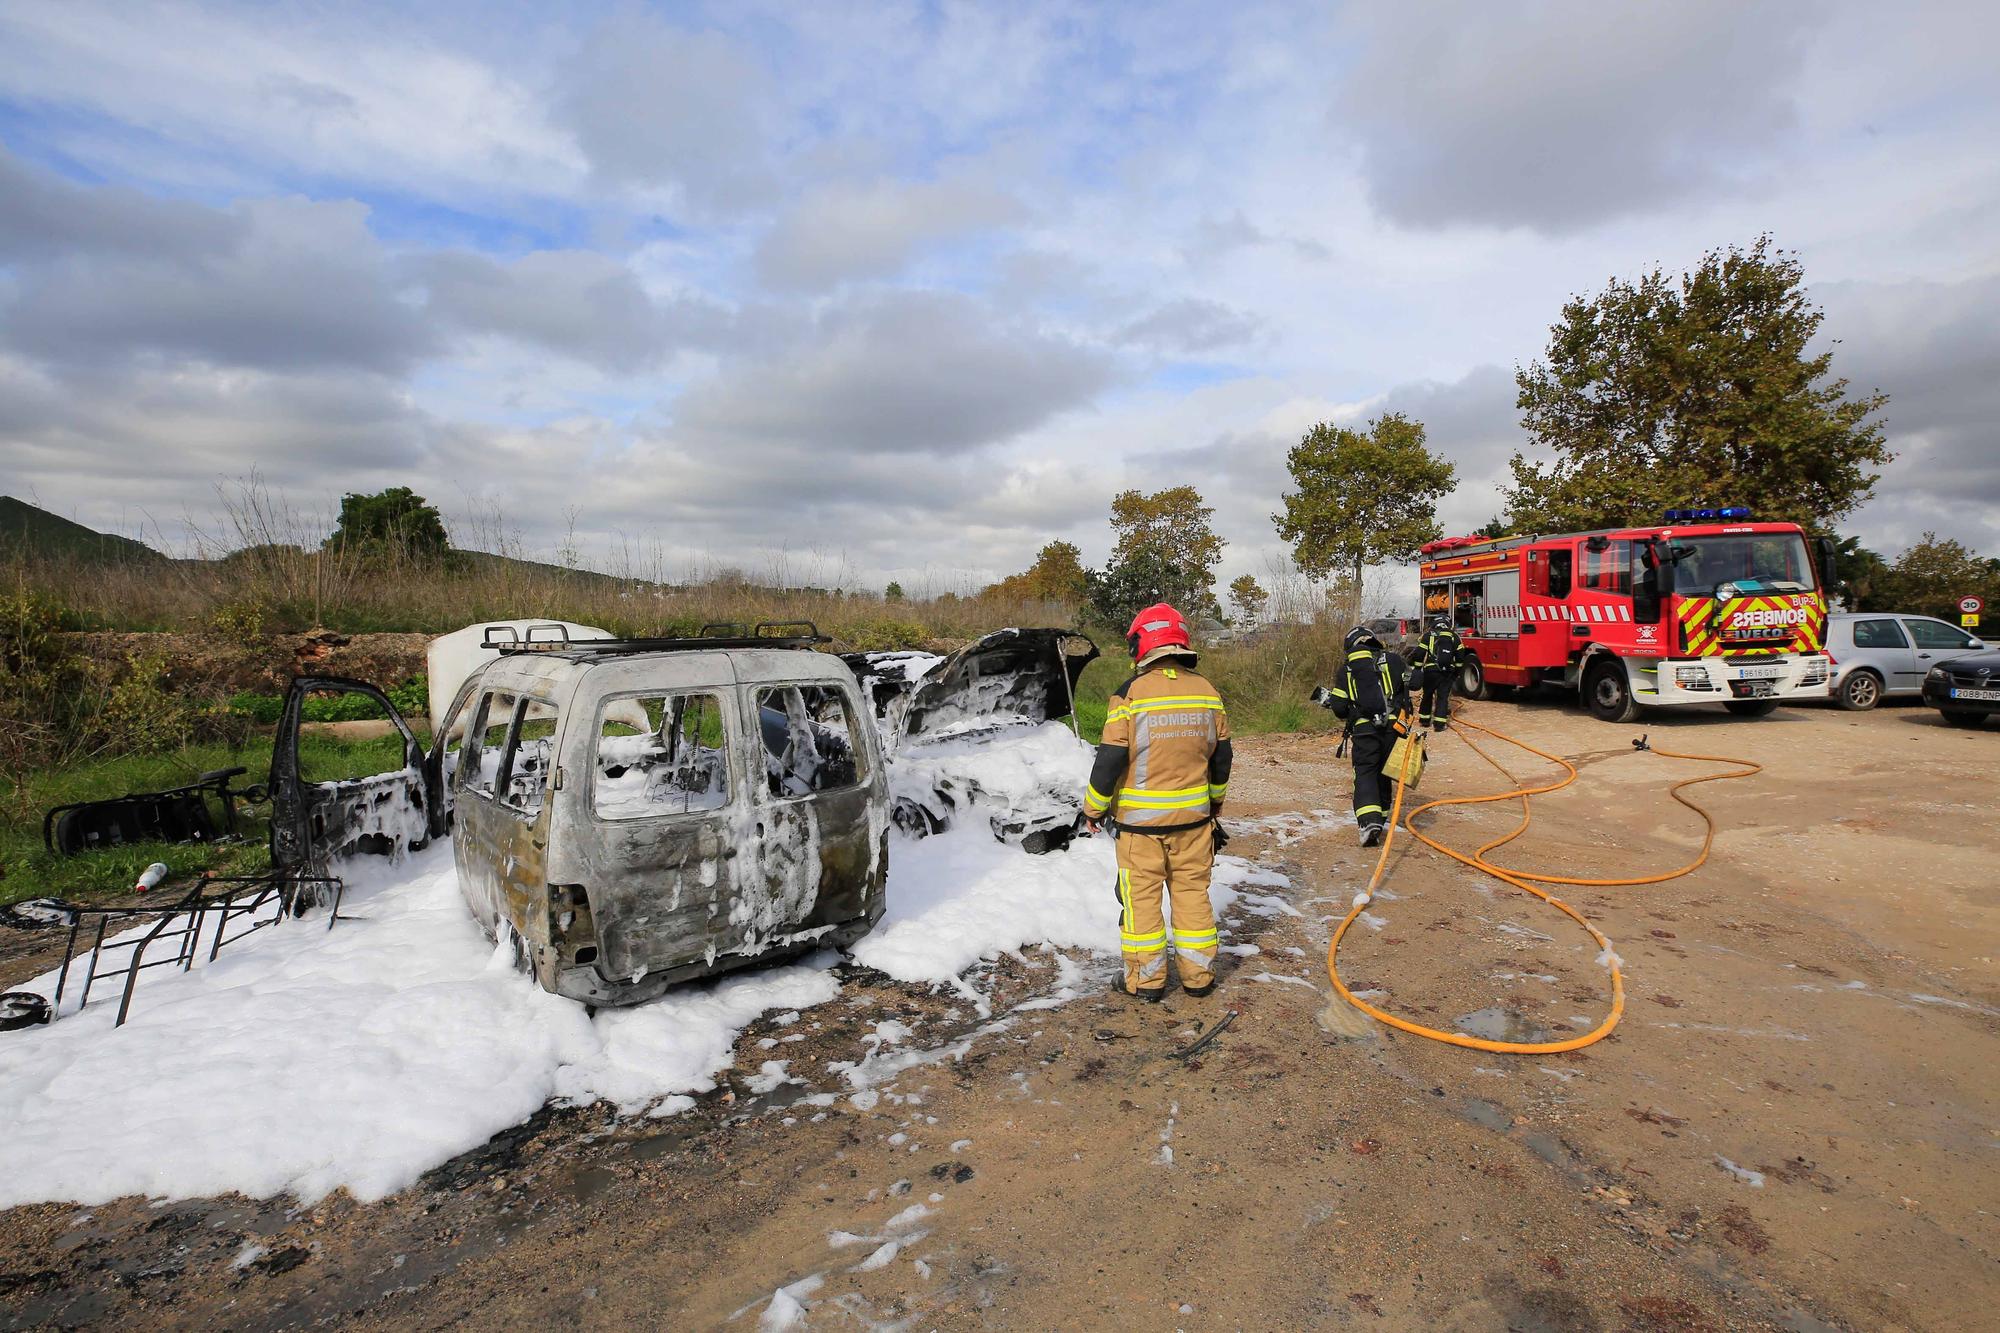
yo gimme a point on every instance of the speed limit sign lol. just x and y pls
(1968, 611)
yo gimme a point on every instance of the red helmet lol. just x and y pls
(1158, 626)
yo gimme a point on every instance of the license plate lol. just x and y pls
(1987, 696)
(1759, 673)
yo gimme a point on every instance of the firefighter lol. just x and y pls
(1160, 776)
(1370, 693)
(1436, 658)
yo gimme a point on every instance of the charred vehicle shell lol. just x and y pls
(630, 813)
(993, 700)
(637, 814)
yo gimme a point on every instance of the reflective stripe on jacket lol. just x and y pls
(1164, 760)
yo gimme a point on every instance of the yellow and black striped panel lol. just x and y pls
(1703, 620)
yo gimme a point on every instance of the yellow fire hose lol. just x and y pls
(1520, 879)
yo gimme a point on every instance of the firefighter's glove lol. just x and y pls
(1221, 835)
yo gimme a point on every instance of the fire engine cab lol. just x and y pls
(1709, 608)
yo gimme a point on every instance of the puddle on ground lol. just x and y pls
(1487, 1114)
(1500, 1024)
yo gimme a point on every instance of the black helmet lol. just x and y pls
(1361, 637)
(1440, 622)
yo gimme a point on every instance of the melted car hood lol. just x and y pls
(1011, 677)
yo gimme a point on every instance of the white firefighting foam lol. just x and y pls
(304, 1060)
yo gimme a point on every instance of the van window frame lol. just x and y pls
(864, 768)
(724, 712)
(505, 777)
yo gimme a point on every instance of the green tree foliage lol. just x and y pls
(1361, 498)
(1930, 577)
(893, 593)
(397, 521)
(1056, 576)
(1165, 551)
(1248, 597)
(1700, 390)
(1493, 529)
(1858, 574)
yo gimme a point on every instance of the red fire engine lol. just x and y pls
(1707, 609)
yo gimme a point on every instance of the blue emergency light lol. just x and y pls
(1707, 515)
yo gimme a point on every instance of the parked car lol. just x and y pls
(1881, 655)
(1398, 634)
(1966, 689)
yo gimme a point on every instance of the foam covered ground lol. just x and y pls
(304, 1060)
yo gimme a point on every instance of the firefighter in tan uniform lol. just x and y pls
(1161, 773)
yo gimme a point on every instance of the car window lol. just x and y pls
(660, 754)
(1878, 634)
(1559, 567)
(810, 744)
(1608, 570)
(534, 756)
(486, 743)
(1937, 634)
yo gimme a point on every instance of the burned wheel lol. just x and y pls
(22, 1009)
(1607, 691)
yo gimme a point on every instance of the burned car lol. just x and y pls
(997, 700)
(632, 813)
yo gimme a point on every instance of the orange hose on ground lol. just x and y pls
(1520, 879)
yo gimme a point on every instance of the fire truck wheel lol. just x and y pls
(1607, 691)
(1471, 679)
(1751, 707)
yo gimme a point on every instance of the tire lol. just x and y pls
(22, 1009)
(1959, 717)
(1860, 691)
(1751, 707)
(1472, 679)
(1607, 691)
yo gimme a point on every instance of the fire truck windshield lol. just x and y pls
(1753, 562)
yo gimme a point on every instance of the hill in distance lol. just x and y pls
(32, 531)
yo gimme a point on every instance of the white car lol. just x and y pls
(1885, 654)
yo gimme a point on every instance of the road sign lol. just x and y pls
(1970, 620)
(1970, 606)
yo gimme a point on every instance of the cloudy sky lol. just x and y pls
(908, 290)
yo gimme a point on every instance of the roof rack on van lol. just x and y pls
(721, 634)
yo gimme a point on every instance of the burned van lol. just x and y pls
(638, 813)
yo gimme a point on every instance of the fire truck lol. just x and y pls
(1708, 608)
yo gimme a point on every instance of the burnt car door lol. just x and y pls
(654, 856)
(319, 817)
(500, 819)
(820, 842)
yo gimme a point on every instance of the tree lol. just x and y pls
(1494, 529)
(1858, 574)
(1165, 552)
(1248, 598)
(1361, 499)
(1696, 391)
(1930, 577)
(893, 593)
(397, 521)
(1056, 576)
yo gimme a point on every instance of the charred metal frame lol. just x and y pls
(178, 814)
(182, 923)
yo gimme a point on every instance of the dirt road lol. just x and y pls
(1797, 1124)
